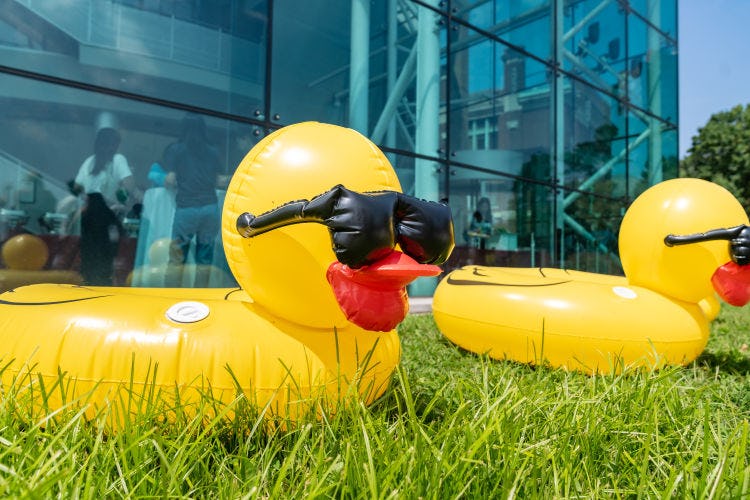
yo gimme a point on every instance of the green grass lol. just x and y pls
(452, 425)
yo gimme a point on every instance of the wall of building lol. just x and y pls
(558, 112)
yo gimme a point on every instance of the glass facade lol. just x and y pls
(537, 120)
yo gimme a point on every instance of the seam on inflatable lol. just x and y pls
(382, 162)
(7, 303)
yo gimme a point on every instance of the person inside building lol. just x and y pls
(194, 169)
(480, 226)
(70, 206)
(101, 231)
(107, 172)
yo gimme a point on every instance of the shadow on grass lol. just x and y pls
(732, 362)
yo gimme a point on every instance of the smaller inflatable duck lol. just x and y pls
(322, 242)
(680, 242)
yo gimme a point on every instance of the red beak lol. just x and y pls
(732, 282)
(374, 297)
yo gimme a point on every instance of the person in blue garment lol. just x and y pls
(480, 226)
(193, 169)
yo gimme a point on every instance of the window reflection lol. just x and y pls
(207, 54)
(497, 221)
(545, 117)
(47, 177)
(523, 23)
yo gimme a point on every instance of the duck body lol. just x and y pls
(127, 341)
(570, 319)
(285, 339)
(658, 313)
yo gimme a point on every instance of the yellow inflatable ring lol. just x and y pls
(282, 340)
(657, 314)
(570, 319)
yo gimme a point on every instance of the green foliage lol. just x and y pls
(452, 425)
(721, 153)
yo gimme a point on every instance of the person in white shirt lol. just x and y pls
(107, 171)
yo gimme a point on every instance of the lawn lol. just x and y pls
(452, 425)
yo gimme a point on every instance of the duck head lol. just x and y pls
(664, 244)
(347, 267)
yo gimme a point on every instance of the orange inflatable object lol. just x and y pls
(25, 255)
(25, 252)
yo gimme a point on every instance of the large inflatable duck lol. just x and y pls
(680, 242)
(315, 316)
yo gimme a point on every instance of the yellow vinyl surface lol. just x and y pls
(281, 340)
(576, 320)
(104, 338)
(657, 314)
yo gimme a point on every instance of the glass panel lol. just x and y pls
(670, 153)
(591, 225)
(614, 128)
(310, 64)
(652, 153)
(405, 169)
(652, 71)
(46, 144)
(594, 42)
(635, 84)
(500, 110)
(387, 85)
(499, 221)
(660, 13)
(594, 131)
(638, 121)
(524, 24)
(407, 97)
(206, 54)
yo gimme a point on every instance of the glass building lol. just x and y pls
(538, 121)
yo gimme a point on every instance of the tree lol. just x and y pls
(721, 153)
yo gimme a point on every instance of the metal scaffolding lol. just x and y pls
(420, 71)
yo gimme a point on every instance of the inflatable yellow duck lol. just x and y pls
(675, 255)
(283, 339)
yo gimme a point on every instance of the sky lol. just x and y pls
(714, 61)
